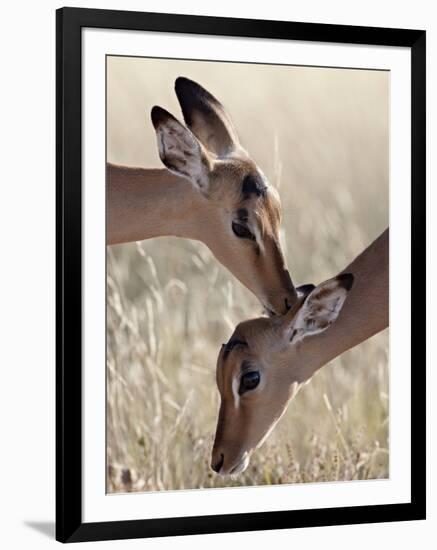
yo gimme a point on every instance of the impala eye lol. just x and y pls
(249, 381)
(242, 232)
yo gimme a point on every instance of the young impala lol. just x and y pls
(266, 361)
(212, 191)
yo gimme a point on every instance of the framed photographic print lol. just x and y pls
(235, 339)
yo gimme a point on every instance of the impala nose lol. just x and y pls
(217, 466)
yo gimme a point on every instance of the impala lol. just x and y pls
(211, 191)
(267, 360)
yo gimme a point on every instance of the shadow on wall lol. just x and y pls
(46, 528)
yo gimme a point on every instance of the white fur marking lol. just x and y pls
(235, 386)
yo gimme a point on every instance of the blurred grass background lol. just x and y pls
(321, 137)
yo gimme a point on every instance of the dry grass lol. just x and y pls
(321, 137)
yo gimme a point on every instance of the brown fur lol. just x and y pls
(145, 203)
(285, 366)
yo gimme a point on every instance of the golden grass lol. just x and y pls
(321, 136)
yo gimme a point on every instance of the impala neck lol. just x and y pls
(365, 312)
(144, 203)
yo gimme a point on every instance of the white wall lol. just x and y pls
(27, 124)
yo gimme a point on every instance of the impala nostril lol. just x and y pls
(287, 305)
(217, 466)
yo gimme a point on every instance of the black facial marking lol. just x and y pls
(231, 344)
(253, 184)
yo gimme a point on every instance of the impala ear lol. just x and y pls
(179, 149)
(304, 290)
(206, 117)
(321, 308)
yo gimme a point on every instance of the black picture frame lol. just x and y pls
(69, 24)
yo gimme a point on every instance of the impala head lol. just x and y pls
(262, 367)
(236, 212)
